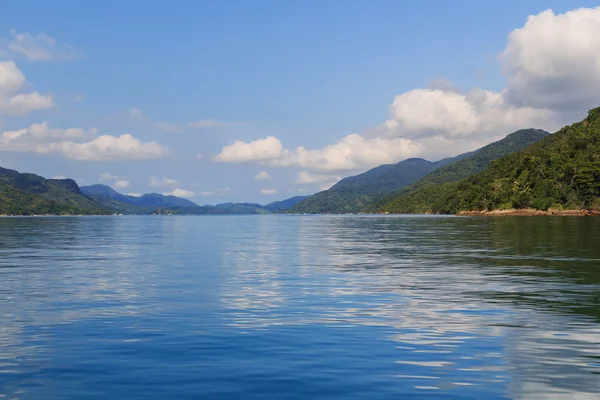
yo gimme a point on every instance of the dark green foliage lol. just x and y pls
(126, 204)
(364, 192)
(27, 194)
(355, 193)
(415, 198)
(560, 171)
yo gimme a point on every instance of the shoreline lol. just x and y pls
(529, 212)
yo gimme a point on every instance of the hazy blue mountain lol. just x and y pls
(108, 197)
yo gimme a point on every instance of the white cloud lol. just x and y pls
(106, 148)
(180, 193)
(121, 183)
(433, 112)
(552, 70)
(217, 192)
(163, 182)
(134, 194)
(40, 47)
(268, 192)
(59, 177)
(198, 156)
(269, 148)
(75, 143)
(262, 176)
(350, 153)
(554, 61)
(12, 100)
(307, 178)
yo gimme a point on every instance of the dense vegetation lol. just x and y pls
(28, 194)
(363, 192)
(414, 199)
(356, 193)
(561, 171)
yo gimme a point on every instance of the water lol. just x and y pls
(286, 307)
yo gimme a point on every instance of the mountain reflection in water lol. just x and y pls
(300, 306)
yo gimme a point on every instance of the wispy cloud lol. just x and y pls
(40, 47)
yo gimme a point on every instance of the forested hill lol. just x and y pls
(561, 171)
(363, 192)
(356, 193)
(25, 194)
(411, 199)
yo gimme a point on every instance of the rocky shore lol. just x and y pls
(532, 212)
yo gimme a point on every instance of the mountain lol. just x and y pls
(561, 171)
(286, 204)
(145, 204)
(355, 193)
(160, 204)
(240, 208)
(414, 199)
(25, 194)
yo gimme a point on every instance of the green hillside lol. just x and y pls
(25, 194)
(364, 192)
(561, 171)
(355, 193)
(415, 198)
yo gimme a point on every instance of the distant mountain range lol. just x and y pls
(528, 169)
(30, 194)
(361, 192)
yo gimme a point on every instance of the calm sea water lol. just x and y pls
(291, 307)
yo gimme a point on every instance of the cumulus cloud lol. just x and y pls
(307, 178)
(268, 192)
(12, 100)
(180, 193)
(553, 61)
(79, 144)
(552, 70)
(269, 148)
(106, 148)
(350, 153)
(262, 176)
(449, 114)
(163, 182)
(40, 47)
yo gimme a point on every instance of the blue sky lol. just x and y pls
(304, 73)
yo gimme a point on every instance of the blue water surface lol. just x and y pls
(298, 307)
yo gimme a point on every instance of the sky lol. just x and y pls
(263, 100)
